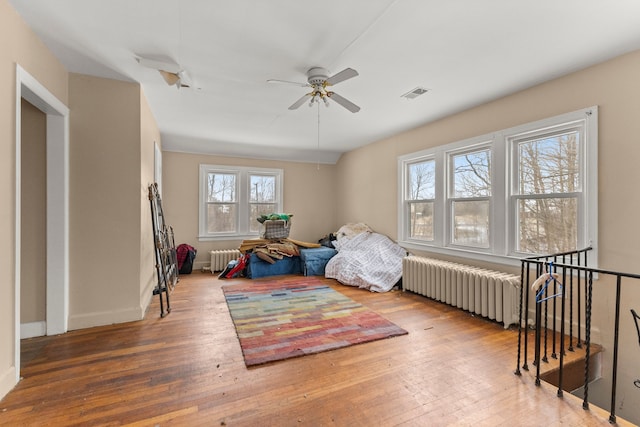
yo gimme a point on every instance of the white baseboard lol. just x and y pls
(199, 265)
(33, 329)
(7, 381)
(89, 320)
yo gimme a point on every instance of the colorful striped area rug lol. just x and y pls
(295, 316)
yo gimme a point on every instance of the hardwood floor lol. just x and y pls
(187, 369)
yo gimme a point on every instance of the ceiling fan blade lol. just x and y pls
(300, 101)
(170, 78)
(343, 75)
(288, 82)
(344, 102)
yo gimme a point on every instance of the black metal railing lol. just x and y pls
(559, 281)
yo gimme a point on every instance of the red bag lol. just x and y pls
(242, 263)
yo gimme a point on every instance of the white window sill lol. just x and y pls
(511, 261)
(228, 237)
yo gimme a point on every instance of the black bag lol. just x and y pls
(328, 240)
(189, 253)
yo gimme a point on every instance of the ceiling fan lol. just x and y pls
(318, 80)
(171, 72)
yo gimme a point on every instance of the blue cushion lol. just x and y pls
(314, 260)
(257, 268)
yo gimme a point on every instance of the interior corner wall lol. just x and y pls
(308, 195)
(367, 190)
(19, 45)
(149, 136)
(104, 201)
(614, 87)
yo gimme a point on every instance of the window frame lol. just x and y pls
(243, 199)
(451, 199)
(513, 140)
(409, 201)
(502, 210)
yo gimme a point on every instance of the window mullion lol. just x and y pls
(243, 203)
(441, 219)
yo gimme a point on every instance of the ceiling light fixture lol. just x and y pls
(318, 80)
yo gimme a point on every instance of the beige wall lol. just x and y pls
(367, 187)
(104, 201)
(308, 194)
(18, 44)
(33, 215)
(149, 134)
(615, 87)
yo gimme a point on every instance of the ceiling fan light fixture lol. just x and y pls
(318, 81)
(316, 76)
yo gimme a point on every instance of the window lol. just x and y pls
(547, 191)
(232, 198)
(263, 200)
(531, 189)
(420, 198)
(470, 197)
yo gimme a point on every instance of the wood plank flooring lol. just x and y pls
(187, 370)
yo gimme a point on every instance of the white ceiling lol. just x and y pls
(466, 52)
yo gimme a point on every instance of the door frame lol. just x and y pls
(57, 239)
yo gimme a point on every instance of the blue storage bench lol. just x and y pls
(257, 268)
(314, 260)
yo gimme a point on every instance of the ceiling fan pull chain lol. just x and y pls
(318, 150)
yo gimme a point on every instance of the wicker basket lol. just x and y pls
(275, 229)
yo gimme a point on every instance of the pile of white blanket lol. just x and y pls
(365, 259)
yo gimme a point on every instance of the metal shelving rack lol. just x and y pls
(165, 248)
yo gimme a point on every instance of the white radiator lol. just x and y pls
(220, 258)
(491, 294)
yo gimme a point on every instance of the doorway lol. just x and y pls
(33, 199)
(57, 206)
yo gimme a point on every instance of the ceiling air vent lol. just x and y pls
(414, 93)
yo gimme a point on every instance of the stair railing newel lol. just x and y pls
(165, 251)
(561, 279)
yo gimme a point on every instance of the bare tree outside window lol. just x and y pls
(221, 202)
(471, 192)
(549, 184)
(262, 200)
(472, 174)
(263, 188)
(421, 178)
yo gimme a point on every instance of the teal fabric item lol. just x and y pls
(314, 260)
